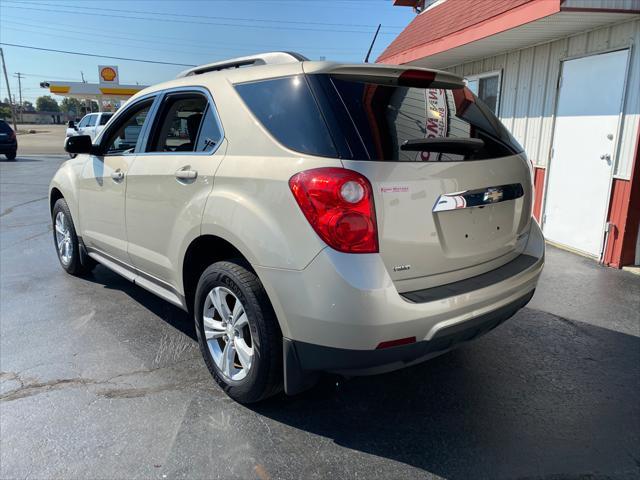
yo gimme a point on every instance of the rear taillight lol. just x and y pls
(338, 203)
(12, 135)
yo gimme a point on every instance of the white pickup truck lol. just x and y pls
(91, 124)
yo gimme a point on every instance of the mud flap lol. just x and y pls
(296, 380)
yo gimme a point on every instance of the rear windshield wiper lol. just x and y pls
(443, 145)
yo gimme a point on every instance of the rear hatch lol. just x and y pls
(452, 188)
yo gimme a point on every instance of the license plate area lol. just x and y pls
(475, 231)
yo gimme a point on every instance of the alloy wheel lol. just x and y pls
(63, 238)
(227, 333)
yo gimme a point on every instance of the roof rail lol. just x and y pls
(269, 58)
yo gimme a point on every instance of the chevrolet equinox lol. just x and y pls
(311, 216)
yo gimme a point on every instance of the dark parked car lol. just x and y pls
(8, 141)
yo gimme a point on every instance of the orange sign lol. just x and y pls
(108, 73)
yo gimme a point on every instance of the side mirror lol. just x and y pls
(79, 144)
(71, 124)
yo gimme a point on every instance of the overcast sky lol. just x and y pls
(181, 31)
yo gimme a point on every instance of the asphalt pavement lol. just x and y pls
(100, 379)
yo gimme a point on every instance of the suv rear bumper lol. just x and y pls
(8, 147)
(341, 307)
(303, 360)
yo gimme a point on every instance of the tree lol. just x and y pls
(71, 105)
(27, 106)
(5, 111)
(77, 107)
(47, 103)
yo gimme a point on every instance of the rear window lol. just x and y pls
(105, 118)
(4, 127)
(329, 116)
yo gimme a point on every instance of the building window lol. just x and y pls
(486, 86)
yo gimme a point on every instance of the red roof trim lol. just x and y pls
(507, 20)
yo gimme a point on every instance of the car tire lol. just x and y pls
(234, 281)
(72, 258)
(11, 155)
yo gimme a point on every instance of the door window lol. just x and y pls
(91, 120)
(84, 122)
(124, 136)
(178, 124)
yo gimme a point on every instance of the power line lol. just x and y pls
(48, 77)
(179, 40)
(189, 22)
(211, 17)
(105, 42)
(191, 45)
(30, 47)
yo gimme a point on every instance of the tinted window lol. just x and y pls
(4, 127)
(210, 133)
(385, 117)
(104, 118)
(178, 123)
(288, 110)
(122, 138)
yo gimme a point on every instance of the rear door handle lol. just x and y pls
(117, 175)
(186, 174)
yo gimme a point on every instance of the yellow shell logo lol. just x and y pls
(108, 74)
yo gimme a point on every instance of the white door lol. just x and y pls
(584, 141)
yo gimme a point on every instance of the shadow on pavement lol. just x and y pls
(541, 396)
(538, 396)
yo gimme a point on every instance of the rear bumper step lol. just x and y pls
(303, 361)
(514, 267)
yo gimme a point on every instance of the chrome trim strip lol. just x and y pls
(138, 277)
(478, 198)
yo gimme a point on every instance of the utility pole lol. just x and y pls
(82, 75)
(20, 105)
(6, 79)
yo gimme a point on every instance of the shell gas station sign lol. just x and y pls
(108, 87)
(108, 74)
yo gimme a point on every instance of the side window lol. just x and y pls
(210, 133)
(286, 107)
(92, 120)
(125, 133)
(84, 122)
(178, 123)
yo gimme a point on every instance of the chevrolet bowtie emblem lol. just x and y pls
(493, 195)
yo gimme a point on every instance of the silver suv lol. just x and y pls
(312, 216)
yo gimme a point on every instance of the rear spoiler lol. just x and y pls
(268, 58)
(393, 75)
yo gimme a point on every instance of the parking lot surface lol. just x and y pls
(100, 379)
(47, 139)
